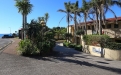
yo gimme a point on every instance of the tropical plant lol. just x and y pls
(101, 7)
(46, 18)
(85, 10)
(27, 48)
(41, 37)
(68, 12)
(75, 10)
(59, 31)
(68, 35)
(24, 7)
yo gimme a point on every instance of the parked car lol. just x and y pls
(8, 36)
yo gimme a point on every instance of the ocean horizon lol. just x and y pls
(1, 35)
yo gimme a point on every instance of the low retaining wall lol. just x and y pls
(103, 52)
(113, 54)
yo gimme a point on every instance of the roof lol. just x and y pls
(109, 20)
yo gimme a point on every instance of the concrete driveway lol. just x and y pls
(65, 61)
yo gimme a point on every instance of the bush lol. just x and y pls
(113, 45)
(95, 39)
(66, 44)
(47, 47)
(78, 47)
(80, 32)
(72, 45)
(27, 48)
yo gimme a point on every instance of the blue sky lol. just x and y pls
(9, 16)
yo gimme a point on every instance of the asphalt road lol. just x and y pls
(4, 42)
(65, 62)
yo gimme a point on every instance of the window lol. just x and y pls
(116, 26)
(109, 26)
(89, 27)
(103, 26)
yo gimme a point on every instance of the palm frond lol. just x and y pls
(60, 10)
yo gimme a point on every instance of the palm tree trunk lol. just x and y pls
(75, 39)
(23, 27)
(68, 24)
(85, 24)
(97, 24)
(100, 24)
(68, 31)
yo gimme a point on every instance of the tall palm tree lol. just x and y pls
(75, 10)
(24, 7)
(101, 6)
(68, 12)
(85, 10)
(46, 18)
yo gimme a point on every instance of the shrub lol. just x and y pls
(95, 39)
(113, 45)
(47, 46)
(27, 48)
(66, 44)
(80, 32)
(67, 35)
(78, 47)
(72, 45)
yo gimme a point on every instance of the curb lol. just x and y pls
(2, 48)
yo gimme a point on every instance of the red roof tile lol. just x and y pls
(109, 20)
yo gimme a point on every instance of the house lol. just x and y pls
(111, 28)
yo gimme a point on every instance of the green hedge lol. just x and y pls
(113, 45)
(76, 47)
(72, 45)
(95, 39)
(66, 44)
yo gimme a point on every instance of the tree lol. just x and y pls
(46, 18)
(101, 7)
(41, 20)
(68, 12)
(75, 10)
(85, 10)
(24, 7)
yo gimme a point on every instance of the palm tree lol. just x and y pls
(46, 18)
(24, 7)
(85, 10)
(75, 10)
(68, 12)
(102, 6)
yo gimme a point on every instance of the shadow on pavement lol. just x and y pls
(102, 62)
(90, 65)
(60, 54)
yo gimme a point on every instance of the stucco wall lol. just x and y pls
(105, 52)
(112, 54)
(92, 51)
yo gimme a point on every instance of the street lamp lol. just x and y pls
(10, 30)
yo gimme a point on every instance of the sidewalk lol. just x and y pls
(12, 48)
